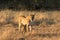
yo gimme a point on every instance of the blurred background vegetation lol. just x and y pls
(30, 4)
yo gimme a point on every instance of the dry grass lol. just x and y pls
(46, 25)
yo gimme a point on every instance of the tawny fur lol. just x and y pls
(25, 21)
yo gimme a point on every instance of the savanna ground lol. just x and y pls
(46, 25)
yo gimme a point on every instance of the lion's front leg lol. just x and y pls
(27, 28)
(19, 27)
(30, 28)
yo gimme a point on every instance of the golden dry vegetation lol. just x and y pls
(46, 25)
